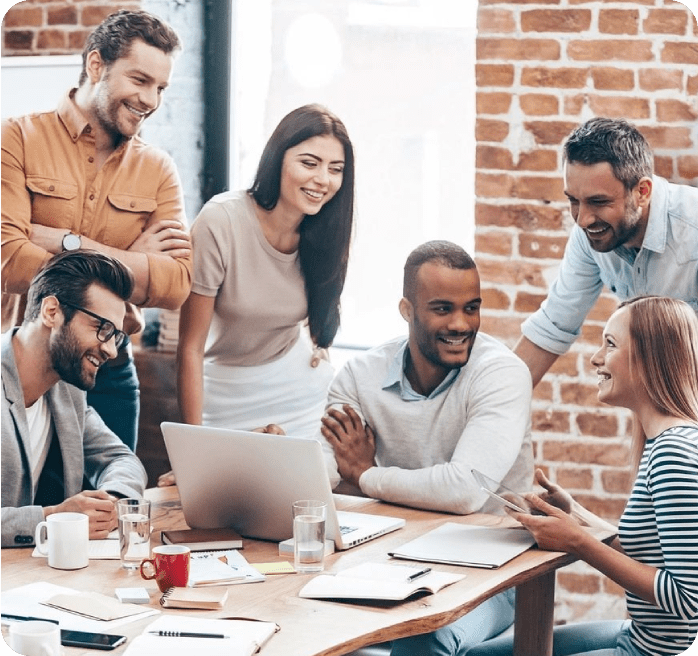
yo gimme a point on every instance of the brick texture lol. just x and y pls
(569, 61)
(54, 27)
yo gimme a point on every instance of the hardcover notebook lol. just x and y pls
(376, 581)
(465, 544)
(203, 539)
(249, 481)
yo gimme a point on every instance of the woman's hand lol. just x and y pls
(319, 354)
(555, 530)
(167, 479)
(554, 494)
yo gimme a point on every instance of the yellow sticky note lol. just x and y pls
(283, 567)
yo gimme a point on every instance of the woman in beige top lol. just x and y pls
(265, 261)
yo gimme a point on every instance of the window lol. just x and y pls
(401, 76)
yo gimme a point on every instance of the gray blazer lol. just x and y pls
(88, 448)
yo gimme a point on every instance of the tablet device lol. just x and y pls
(504, 495)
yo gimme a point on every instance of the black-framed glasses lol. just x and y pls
(106, 329)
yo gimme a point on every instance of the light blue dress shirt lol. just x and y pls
(666, 265)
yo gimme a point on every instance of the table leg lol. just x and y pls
(533, 626)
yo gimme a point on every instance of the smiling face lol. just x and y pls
(612, 362)
(130, 89)
(444, 317)
(76, 353)
(600, 206)
(311, 174)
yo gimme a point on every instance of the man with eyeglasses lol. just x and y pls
(57, 453)
(81, 177)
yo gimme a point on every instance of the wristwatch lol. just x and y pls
(71, 242)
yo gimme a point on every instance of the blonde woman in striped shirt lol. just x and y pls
(649, 364)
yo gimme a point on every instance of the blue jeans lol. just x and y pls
(609, 638)
(116, 398)
(489, 619)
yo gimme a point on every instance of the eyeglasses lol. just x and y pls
(106, 329)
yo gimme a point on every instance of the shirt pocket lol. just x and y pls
(54, 202)
(130, 214)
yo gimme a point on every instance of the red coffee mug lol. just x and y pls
(169, 565)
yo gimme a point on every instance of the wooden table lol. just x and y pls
(325, 628)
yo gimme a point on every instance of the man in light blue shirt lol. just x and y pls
(635, 233)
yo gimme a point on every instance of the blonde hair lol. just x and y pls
(664, 358)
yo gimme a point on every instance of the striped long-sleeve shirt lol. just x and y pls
(659, 527)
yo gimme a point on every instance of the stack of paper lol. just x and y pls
(465, 544)
(221, 568)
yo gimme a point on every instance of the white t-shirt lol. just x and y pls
(39, 422)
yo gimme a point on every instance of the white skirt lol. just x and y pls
(288, 392)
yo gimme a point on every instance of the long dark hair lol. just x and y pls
(325, 236)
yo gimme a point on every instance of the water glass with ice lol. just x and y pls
(134, 531)
(309, 535)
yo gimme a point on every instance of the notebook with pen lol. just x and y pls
(249, 481)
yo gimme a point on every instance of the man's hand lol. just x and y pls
(50, 239)
(271, 429)
(354, 444)
(99, 506)
(165, 237)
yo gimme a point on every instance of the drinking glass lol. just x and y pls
(134, 531)
(309, 535)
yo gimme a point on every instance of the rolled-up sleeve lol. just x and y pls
(557, 323)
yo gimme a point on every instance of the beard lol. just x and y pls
(427, 343)
(67, 360)
(625, 231)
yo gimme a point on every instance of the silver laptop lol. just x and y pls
(249, 481)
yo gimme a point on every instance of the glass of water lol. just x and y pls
(134, 531)
(309, 535)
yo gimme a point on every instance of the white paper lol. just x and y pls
(466, 544)
(245, 637)
(26, 600)
(235, 560)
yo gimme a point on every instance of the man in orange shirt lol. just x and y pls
(80, 177)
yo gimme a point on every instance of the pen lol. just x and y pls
(419, 574)
(26, 618)
(184, 634)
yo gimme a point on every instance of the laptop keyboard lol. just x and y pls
(347, 529)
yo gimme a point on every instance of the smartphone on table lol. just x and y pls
(91, 640)
(503, 494)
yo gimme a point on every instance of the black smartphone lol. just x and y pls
(91, 640)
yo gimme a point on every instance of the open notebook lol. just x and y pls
(249, 481)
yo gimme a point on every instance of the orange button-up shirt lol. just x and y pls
(49, 177)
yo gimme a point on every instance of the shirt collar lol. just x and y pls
(657, 220)
(396, 381)
(73, 119)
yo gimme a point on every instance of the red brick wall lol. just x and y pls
(543, 68)
(54, 27)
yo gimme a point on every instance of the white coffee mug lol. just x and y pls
(35, 638)
(65, 537)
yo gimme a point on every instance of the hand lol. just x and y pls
(50, 239)
(271, 429)
(554, 494)
(167, 479)
(165, 237)
(354, 444)
(319, 354)
(99, 506)
(554, 530)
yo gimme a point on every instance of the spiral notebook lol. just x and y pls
(204, 598)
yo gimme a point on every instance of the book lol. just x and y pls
(377, 581)
(244, 637)
(467, 545)
(203, 539)
(205, 598)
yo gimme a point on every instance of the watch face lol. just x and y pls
(71, 242)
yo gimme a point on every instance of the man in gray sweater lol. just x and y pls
(52, 441)
(408, 420)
